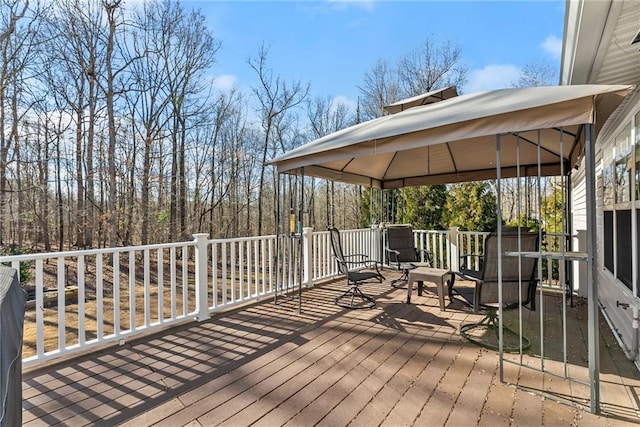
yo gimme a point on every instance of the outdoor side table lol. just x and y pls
(427, 274)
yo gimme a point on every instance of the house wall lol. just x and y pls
(579, 227)
(613, 294)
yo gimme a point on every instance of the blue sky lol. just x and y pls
(331, 44)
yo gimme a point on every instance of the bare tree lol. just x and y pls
(537, 73)
(380, 87)
(112, 10)
(432, 66)
(76, 48)
(148, 102)
(534, 73)
(228, 121)
(275, 99)
(15, 41)
(188, 51)
(325, 116)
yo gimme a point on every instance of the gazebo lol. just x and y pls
(508, 133)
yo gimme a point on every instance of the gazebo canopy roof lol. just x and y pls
(424, 99)
(454, 140)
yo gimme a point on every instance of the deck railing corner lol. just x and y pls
(202, 290)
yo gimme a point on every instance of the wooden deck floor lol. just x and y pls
(393, 365)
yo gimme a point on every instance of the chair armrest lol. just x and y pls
(364, 260)
(363, 257)
(467, 298)
(393, 256)
(360, 259)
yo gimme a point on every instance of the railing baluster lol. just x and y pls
(319, 257)
(160, 267)
(185, 281)
(259, 262)
(224, 273)
(288, 263)
(147, 288)
(62, 330)
(174, 279)
(99, 298)
(233, 272)
(249, 267)
(132, 291)
(241, 262)
(39, 308)
(214, 273)
(81, 300)
(116, 293)
(270, 264)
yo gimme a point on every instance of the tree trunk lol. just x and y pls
(182, 192)
(111, 151)
(44, 191)
(144, 189)
(90, 190)
(17, 153)
(59, 195)
(173, 194)
(80, 207)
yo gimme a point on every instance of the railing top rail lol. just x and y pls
(354, 230)
(64, 254)
(242, 239)
(75, 253)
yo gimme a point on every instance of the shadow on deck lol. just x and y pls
(396, 364)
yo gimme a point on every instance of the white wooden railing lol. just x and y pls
(86, 299)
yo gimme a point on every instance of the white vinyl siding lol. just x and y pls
(615, 195)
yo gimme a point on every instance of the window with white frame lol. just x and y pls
(623, 166)
(620, 189)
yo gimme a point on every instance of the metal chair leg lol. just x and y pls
(356, 299)
(486, 333)
(404, 278)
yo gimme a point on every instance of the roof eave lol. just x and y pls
(587, 33)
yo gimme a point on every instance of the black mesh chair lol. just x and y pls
(402, 252)
(354, 297)
(518, 287)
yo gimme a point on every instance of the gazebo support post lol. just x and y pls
(592, 274)
(499, 231)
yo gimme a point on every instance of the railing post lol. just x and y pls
(375, 252)
(307, 256)
(454, 251)
(201, 276)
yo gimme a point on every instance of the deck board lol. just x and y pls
(397, 364)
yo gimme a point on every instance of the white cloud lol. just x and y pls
(553, 46)
(350, 103)
(343, 4)
(492, 77)
(225, 82)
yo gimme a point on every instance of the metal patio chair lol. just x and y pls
(518, 287)
(354, 298)
(402, 252)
